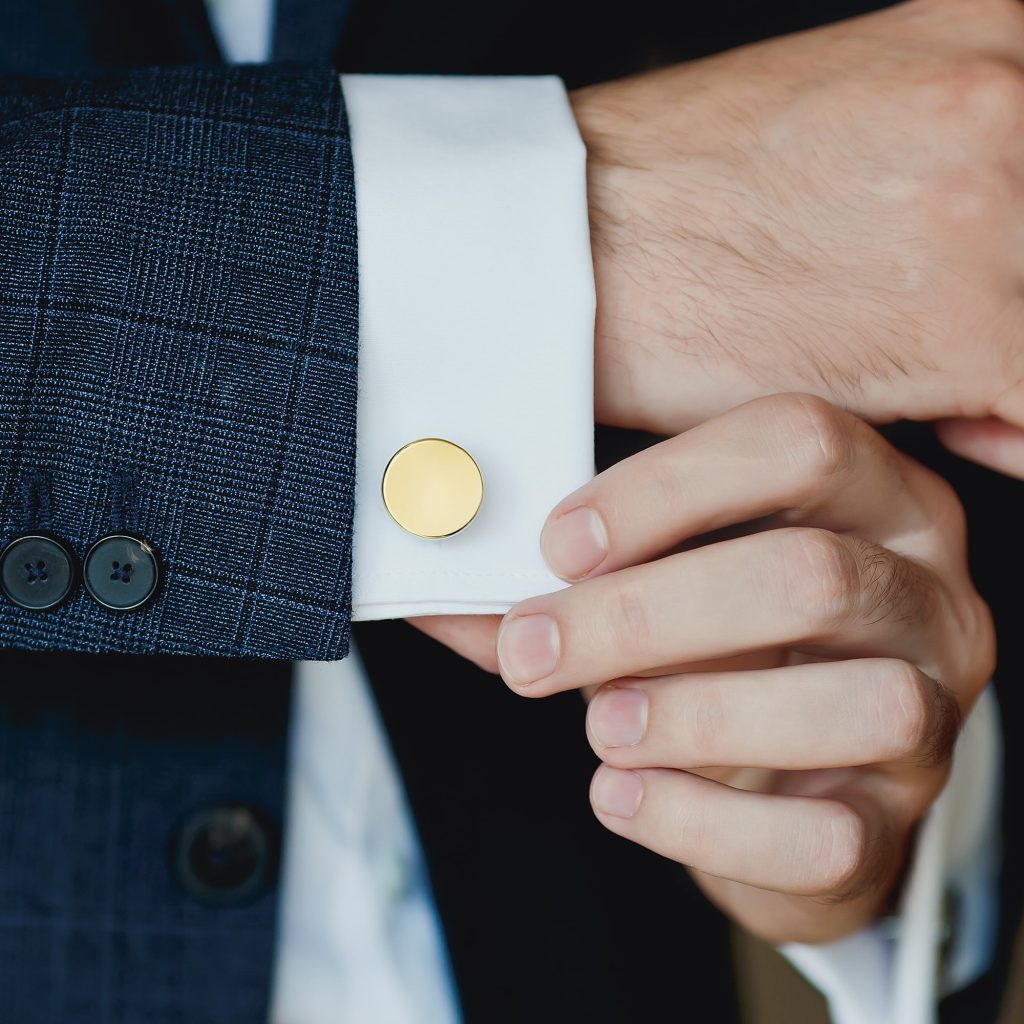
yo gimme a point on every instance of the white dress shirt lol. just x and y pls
(458, 180)
(943, 936)
(476, 324)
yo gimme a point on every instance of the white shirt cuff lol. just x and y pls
(476, 325)
(943, 937)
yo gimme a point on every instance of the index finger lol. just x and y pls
(782, 453)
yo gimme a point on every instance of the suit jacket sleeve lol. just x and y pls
(178, 337)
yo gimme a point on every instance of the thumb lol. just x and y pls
(472, 636)
(990, 442)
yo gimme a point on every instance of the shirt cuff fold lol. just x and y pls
(476, 326)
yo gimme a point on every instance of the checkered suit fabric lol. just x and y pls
(178, 334)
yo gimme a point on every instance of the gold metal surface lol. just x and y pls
(432, 488)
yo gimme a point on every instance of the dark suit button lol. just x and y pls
(37, 571)
(225, 855)
(122, 572)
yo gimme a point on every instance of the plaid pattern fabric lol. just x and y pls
(103, 759)
(178, 333)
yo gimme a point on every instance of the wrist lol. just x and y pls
(657, 243)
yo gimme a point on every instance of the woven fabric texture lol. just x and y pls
(178, 337)
(102, 762)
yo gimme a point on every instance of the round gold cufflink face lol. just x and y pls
(432, 487)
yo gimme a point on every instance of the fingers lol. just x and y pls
(803, 588)
(799, 845)
(819, 715)
(991, 442)
(788, 453)
(472, 636)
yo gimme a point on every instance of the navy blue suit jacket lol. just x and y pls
(178, 326)
(179, 309)
(178, 338)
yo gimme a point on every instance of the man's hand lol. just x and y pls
(778, 700)
(839, 212)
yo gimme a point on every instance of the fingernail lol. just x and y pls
(575, 543)
(618, 717)
(617, 792)
(528, 648)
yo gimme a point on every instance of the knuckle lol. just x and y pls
(694, 834)
(666, 483)
(979, 102)
(816, 436)
(819, 576)
(840, 850)
(916, 800)
(946, 723)
(985, 98)
(630, 616)
(707, 721)
(893, 587)
(906, 708)
(973, 619)
(924, 719)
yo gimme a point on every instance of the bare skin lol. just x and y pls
(838, 213)
(776, 709)
(775, 601)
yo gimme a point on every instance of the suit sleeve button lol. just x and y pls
(37, 571)
(122, 572)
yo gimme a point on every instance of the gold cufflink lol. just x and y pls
(432, 487)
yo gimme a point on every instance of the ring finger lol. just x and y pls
(817, 715)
